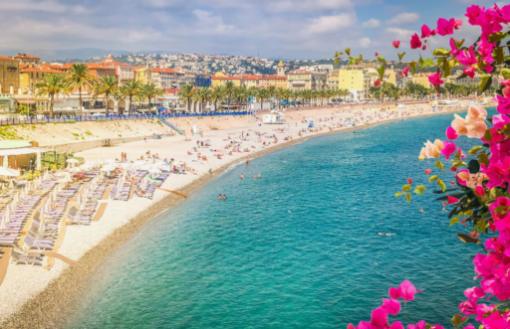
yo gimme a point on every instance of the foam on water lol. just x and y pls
(314, 243)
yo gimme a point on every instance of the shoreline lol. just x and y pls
(61, 296)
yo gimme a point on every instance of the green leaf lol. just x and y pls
(380, 71)
(420, 189)
(505, 72)
(466, 238)
(454, 221)
(483, 158)
(408, 197)
(398, 194)
(406, 188)
(348, 51)
(475, 149)
(458, 320)
(401, 56)
(499, 55)
(485, 82)
(442, 185)
(439, 165)
(441, 52)
(433, 178)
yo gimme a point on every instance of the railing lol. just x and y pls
(112, 117)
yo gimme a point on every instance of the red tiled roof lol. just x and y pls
(164, 70)
(250, 77)
(25, 56)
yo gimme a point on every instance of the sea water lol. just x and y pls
(314, 243)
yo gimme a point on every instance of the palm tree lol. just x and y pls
(217, 95)
(79, 77)
(51, 85)
(130, 89)
(106, 86)
(229, 92)
(151, 91)
(262, 95)
(186, 92)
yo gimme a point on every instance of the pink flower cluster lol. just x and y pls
(487, 303)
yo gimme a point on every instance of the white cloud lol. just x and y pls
(371, 23)
(399, 32)
(365, 42)
(324, 24)
(307, 5)
(49, 6)
(211, 23)
(404, 18)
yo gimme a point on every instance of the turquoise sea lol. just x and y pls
(314, 243)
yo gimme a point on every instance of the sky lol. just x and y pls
(288, 29)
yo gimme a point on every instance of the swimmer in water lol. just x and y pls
(241, 177)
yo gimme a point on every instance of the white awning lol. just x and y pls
(21, 151)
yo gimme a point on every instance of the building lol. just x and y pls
(359, 79)
(166, 78)
(31, 75)
(250, 80)
(27, 59)
(307, 80)
(9, 75)
(99, 70)
(333, 80)
(421, 78)
(123, 71)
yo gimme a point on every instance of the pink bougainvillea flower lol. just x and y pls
(470, 71)
(480, 191)
(451, 133)
(420, 325)
(445, 26)
(377, 83)
(396, 44)
(405, 71)
(473, 13)
(397, 325)
(379, 318)
(409, 181)
(415, 41)
(452, 199)
(503, 104)
(473, 126)
(426, 31)
(500, 208)
(428, 171)
(431, 150)
(435, 79)
(406, 291)
(476, 113)
(391, 306)
(467, 57)
(448, 149)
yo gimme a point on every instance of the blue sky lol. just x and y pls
(271, 28)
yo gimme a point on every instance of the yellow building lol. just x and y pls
(9, 75)
(143, 74)
(250, 80)
(358, 79)
(421, 79)
(30, 76)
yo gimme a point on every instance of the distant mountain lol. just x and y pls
(66, 54)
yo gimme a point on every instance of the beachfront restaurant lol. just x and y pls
(19, 154)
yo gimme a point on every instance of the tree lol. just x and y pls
(51, 85)
(106, 86)
(229, 92)
(131, 89)
(150, 91)
(79, 77)
(186, 92)
(217, 95)
(262, 95)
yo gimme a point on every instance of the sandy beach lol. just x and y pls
(39, 296)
